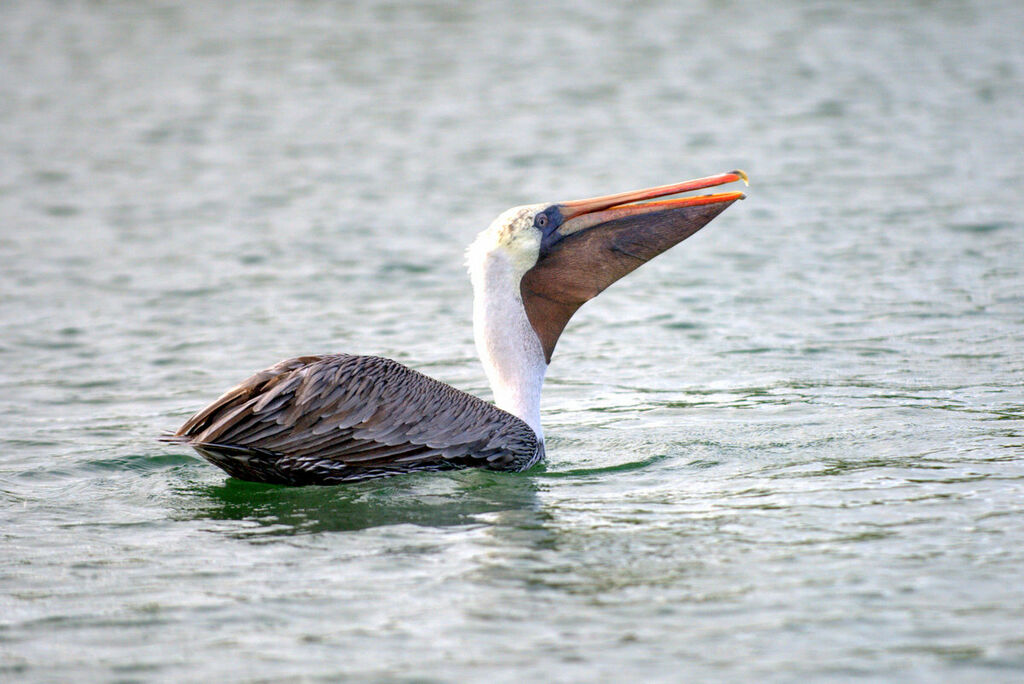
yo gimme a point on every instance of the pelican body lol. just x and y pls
(341, 418)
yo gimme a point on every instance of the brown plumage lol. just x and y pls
(341, 418)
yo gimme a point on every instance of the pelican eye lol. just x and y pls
(541, 221)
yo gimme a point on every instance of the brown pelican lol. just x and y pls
(342, 418)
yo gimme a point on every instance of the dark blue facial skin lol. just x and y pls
(548, 222)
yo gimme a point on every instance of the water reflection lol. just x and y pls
(430, 499)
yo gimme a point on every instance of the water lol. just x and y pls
(790, 449)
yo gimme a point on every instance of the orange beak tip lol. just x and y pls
(743, 176)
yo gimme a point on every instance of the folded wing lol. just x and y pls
(341, 418)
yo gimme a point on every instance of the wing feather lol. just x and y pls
(326, 419)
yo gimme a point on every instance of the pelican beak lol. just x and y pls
(594, 242)
(582, 214)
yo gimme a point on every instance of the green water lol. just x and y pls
(790, 449)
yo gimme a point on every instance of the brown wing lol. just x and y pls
(328, 419)
(581, 265)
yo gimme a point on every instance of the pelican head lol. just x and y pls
(514, 237)
(556, 256)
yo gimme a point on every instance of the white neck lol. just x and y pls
(505, 340)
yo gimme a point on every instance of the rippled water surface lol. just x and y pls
(791, 448)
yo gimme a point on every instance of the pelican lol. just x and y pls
(341, 418)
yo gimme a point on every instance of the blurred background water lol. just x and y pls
(792, 448)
